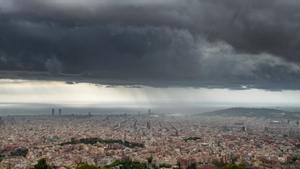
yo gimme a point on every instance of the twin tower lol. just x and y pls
(53, 112)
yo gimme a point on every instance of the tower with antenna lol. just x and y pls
(52, 112)
(149, 112)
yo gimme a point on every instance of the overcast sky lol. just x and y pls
(85, 94)
(230, 44)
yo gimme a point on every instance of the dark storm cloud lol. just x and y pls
(231, 43)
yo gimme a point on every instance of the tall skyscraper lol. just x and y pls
(1, 121)
(148, 125)
(53, 112)
(149, 111)
(59, 112)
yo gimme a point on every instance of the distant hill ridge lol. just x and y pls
(254, 112)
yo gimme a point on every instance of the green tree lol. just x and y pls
(127, 164)
(42, 164)
(192, 166)
(86, 166)
(164, 165)
(19, 152)
(233, 166)
(1, 157)
(217, 163)
(150, 159)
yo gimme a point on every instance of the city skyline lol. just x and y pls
(149, 84)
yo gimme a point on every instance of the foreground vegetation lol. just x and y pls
(109, 141)
(128, 164)
(18, 152)
(191, 139)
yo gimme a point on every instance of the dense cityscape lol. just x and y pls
(149, 84)
(170, 141)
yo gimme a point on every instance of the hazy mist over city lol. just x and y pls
(149, 84)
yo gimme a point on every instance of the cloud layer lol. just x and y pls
(231, 43)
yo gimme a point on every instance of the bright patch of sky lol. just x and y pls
(56, 92)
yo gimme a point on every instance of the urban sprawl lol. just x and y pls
(169, 140)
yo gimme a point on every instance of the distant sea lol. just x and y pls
(20, 109)
(46, 109)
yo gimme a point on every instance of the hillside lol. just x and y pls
(254, 112)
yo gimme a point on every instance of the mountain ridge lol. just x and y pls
(253, 112)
